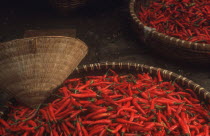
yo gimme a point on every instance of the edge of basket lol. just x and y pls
(42, 37)
(150, 69)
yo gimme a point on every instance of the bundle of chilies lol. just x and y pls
(184, 19)
(113, 105)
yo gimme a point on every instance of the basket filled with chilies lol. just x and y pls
(119, 99)
(179, 29)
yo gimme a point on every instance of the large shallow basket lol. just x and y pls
(31, 68)
(65, 6)
(133, 68)
(167, 45)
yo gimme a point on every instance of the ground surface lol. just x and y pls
(104, 26)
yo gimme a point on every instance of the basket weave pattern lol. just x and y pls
(167, 45)
(31, 68)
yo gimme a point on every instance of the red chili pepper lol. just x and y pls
(84, 86)
(65, 91)
(79, 129)
(33, 113)
(100, 115)
(41, 131)
(84, 95)
(1, 131)
(92, 106)
(116, 129)
(103, 132)
(206, 129)
(189, 102)
(183, 125)
(169, 109)
(65, 104)
(64, 113)
(150, 126)
(127, 122)
(179, 108)
(26, 128)
(141, 118)
(96, 112)
(116, 96)
(75, 103)
(54, 132)
(84, 131)
(172, 128)
(126, 109)
(113, 116)
(144, 95)
(137, 128)
(96, 131)
(51, 112)
(152, 107)
(102, 121)
(195, 128)
(4, 123)
(65, 129)
(167, 101)
(32, 123)
(158, 73)
(23, 112)
(109, 100)
(130, 92)
(26, 134)
(201, 134)
(44, 114)
(137, 106)
(132, 116)
(124, 100)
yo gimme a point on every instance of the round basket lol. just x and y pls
(133, 68)
(167, 45)
(31, 68)
(65, 6)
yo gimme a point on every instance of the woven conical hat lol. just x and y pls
(31, 68)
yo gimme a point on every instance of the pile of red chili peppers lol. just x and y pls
(113, 105)
(184, 19)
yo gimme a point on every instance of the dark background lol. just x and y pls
(105, 27)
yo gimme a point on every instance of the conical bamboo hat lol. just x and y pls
(31, 68)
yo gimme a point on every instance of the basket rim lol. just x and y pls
(169, 75)
(190, 45)
(43, 37)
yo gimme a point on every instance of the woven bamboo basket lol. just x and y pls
(133, 68)
(31, 68)
(66, 6)
(166, 45)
